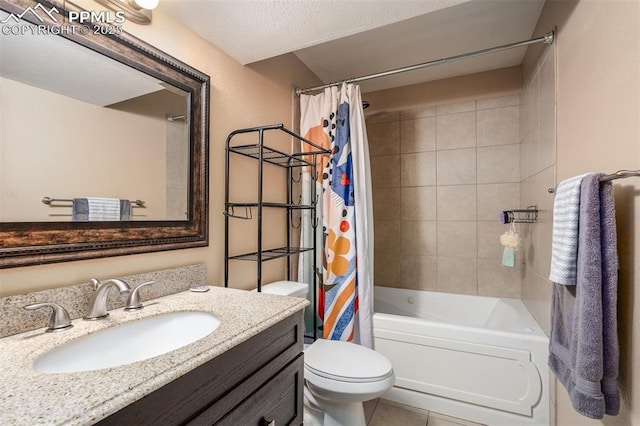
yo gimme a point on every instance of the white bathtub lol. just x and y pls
(478, 358)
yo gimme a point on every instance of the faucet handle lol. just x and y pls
(133, 302)
(59, 316)
(95, 283)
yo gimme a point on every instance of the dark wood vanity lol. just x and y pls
(258, 382)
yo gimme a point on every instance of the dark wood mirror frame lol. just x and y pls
(33, 243)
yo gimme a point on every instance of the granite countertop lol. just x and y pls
(30, 397)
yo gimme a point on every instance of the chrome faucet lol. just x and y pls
(98, 304)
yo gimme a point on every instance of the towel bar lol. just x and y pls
(49, 200)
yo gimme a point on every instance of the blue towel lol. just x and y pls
(80, 210)
(564, 243)
(583, 349)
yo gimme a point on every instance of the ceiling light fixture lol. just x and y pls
(138, 11)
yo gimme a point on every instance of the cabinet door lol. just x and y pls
(278, 402)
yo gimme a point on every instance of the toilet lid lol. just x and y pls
(346, 361)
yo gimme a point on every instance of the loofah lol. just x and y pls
(510, 238)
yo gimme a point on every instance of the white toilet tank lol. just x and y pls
(286, 288)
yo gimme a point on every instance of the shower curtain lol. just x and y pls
(334, 119)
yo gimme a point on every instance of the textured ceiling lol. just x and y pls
(252, 30)
(340, 39)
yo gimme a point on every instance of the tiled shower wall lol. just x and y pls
(440, 175)
(538, 171)
(538, 174)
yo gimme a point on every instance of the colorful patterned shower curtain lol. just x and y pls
(335, 119)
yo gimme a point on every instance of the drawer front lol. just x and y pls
(278, 402)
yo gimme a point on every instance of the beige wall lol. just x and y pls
(440, 175)
(61, 147)
(598, 93)
(240, 97)
(501, 82)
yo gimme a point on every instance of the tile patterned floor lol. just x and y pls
(380, 412)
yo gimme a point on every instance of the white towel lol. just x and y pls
(564, 243)
(104, 208)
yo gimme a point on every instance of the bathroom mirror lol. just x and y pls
(91, 111)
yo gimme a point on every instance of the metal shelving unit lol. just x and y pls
(264, 154)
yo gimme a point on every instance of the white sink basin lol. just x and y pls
(127, 343)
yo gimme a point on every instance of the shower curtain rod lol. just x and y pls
(547, 39)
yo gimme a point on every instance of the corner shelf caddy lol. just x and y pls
(264, 154)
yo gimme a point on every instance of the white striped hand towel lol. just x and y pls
(564, 243)
(104, 208)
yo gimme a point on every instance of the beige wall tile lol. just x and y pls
(502, 101)
(457, 239)
(385, 171)
(458, 275)
(429, 111)
(537, 245)
(418, 169)
(456, 107)
(498, 281)
(386, 269)
(387, 236)
(419, 272)
(529, 154)
(499, 164)
(457, 167)
(439, 201)
(528, 290)
(457, 202)
(537, 296)
(496, 197)
(456, 130)
(541, 240)
(386, 203)
(384, 138)
(545, 295)
(418, 135)
(418, 203)
(419, 237)
(499, 126)
(547, 113)
(382, 117)
(529, 107)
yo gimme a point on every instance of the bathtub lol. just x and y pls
(478, 358)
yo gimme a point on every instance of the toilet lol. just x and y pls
(339, 376)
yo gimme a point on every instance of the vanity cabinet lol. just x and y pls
(258, 382)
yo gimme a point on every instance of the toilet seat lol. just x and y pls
(346, 362)
(339, 377)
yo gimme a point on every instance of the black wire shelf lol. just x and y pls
(274, 205)
(271, 254)
(273, 156)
